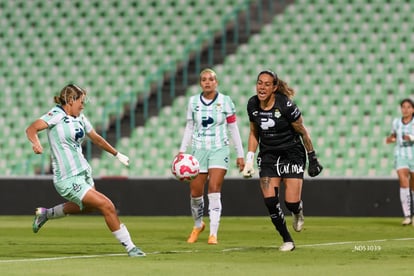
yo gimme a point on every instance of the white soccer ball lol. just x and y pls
(185, 167)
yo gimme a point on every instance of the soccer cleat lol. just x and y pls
(194, 234)
(39, 219)
(406, 221)
(298, 221)
(287, 246)
(136, 252)
(212, 240)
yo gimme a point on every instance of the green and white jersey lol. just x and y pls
(66, 134)
(210, 121)
(403, 148)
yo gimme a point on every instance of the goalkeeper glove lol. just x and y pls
(314, 167)
(122, 158)
(248, 170)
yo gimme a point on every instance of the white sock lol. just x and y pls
(405, 201)
(55, 212)
(214, 211)
(122, 235)
(197, 210)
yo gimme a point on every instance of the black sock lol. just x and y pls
(294, 207)
(277, 217)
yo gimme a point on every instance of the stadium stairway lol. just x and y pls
(351, 63)
(118, 45)
(190, 71)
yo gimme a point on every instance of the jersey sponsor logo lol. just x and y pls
(207, 120)
(288, 168)
(266, 114)
(266, 123)
(203, 134)
(79, 134)
(226, 142)
(295, 113)
(254, 113)
(289, 103)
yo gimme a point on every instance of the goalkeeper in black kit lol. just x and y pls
(276, 127)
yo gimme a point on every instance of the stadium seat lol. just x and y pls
(349, 63)
(104, 52)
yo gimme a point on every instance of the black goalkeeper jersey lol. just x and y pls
(274, 125)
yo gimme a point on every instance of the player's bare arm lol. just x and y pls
(253, 141)
(31, 133)
(301, 129)
(101, 142)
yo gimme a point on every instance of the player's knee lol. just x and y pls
(107, 207)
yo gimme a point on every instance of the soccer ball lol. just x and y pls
(185, 167)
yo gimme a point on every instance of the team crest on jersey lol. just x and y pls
(277, 113)
(218, 107)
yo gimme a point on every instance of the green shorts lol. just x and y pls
(404, 162)
(75, 188)
(214, 158)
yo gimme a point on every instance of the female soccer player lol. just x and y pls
(276, 125)
(66, 128)
(403, 135)
(209, 116)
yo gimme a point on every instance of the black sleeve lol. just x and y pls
(289, 109)
(252, 106)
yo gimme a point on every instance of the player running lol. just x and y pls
(402, 134)
(276, 125)
(67, 128)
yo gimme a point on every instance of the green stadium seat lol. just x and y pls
(356, 63)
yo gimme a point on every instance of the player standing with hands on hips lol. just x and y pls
(209, 116)
(276, 126)
(67, 128)
(402, 135)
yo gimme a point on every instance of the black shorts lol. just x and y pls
(290, 163)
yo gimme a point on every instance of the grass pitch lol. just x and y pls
(82, 245)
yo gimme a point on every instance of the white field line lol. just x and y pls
(194, 251)
(321, 244)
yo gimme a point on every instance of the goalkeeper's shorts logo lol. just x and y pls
(288, 168)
